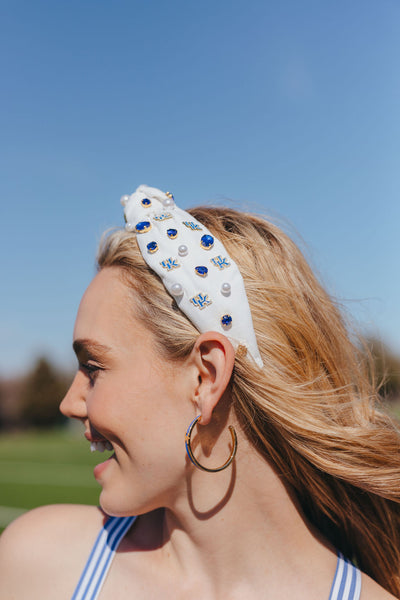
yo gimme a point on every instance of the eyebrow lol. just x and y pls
(90, 348)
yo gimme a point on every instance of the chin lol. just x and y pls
(114, 506)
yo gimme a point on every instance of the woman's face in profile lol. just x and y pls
(126, 393)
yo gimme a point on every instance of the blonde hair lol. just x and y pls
(312, 409)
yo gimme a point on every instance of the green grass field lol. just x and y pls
(47, 467)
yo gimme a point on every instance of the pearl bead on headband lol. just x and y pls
(193, 265)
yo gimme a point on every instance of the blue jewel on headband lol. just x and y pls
(152, 247)
(143, 226)
(226, 321)
(146, 202)
(172, 233)
(207, 242)
(202, 271)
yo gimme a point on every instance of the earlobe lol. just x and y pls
(214, 357)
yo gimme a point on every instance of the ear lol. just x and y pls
(214, 357)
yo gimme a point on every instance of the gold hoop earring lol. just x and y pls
(194, 460)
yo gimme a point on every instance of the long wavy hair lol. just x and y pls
(312, 410)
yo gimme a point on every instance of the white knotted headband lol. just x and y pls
(193, 265)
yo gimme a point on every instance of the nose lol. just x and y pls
(73, 405)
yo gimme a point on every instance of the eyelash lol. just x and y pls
(91, 371)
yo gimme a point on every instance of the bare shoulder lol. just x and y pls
(47, 527)
(43, 552)
(370, 590)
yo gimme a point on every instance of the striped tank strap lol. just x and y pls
(101, 557)
(347, 581)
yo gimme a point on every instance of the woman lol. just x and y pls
(289, 466)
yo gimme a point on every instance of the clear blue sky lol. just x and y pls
(290, 108)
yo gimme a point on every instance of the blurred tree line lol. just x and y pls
(385, 369)
(33, 400)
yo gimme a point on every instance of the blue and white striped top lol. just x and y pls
(100, 558)
(346, 583)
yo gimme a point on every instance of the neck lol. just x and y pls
(241, 523)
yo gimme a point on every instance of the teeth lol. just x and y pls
(100, 446)
(97, 446)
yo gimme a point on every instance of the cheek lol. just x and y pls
(144, 412)
(145, 393)
(123, 411)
